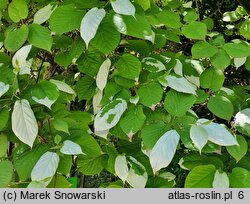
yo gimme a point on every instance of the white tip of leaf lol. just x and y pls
(62, 86)
(179, 84)
(45, 101)
(164, 150)
(3, 88)
(242, 117)
(24, 123)
(121, 167)
(71, 148)
(221, 180)
(102, 75)
(178, 67)
(238, 62)
(19, 60)
(199, 136)
(124, 7)
(44, 14)
(97, 98)
(45, 168)
(90, 24)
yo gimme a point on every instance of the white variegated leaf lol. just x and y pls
(217, 133)
(110, 115)
(179, 84)
(164, 150)
(124, 7)
(178, 68)
(238, 62)
(242, 117)
(24, 123)
(221, 180)
(62, 86)
(44, 14)
(90, 24)
(156, 65)
(3, 88)
(121, 167)
(199, 136)
(19, 60)
(71, 148)
(97, 98)
(135, 180)
(102, 75)
(45, 168)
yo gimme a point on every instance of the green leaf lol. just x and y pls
(65, 18)
(245, 29)
(24, 123)
(3, 145)
(6, 170)
(18, 9)
(237, 50)
(107, 37)
(44, 14)
(145, 4)
(45, 93)
(190, 16)
(153, 90)
(212, 79)
(177, 103)
(128, 66)
(124, 7)
(3, 88)
(16, 38)
(85, 88)
(195, 30)
(190, 161)
(45, 167)
(65, 164)
(137, 26)
(221, 180)
(132, 120)
(164, 150)
(221, 60)
(60, 125)
(239, 178)
(203, 49)
(169, 18)
(221, 107)
(92, 165)
(152, 132)
(3, 4)
(59, 181)
(27, 160)
(238, 151)
(40, 37)
(200, 177)
(90, 24)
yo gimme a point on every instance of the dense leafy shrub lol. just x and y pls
(146, 93)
